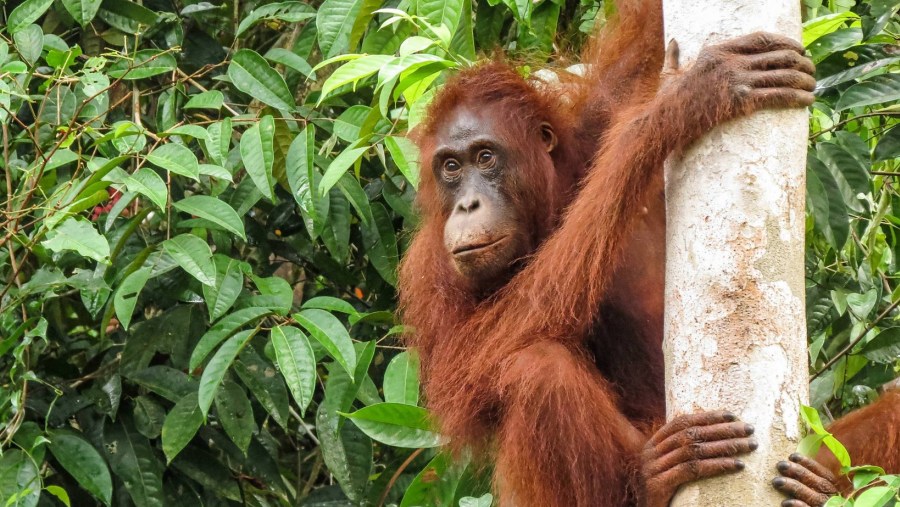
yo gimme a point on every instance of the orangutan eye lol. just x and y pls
(451, 166)
(485, 158)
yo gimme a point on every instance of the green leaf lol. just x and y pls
(331, 304)
(264, 382)
(877, 90)
(146, 182)
(329, 331)
(397, 425)
(127, 295)
(876, 496)
(235, 414)
(180, 426)
(218, 142)
(338, 167)
(292, 12)
(146, 63)
(347, 125)
(20, 480)
(401, 379)
(334, 22)
(380, 243)
(80, 236)
(193, 255)
(303, 180)
(177, 159)
(229, 283)
(214, 210)
(292, 61)
(888, 147)
(826, 203)
(258, 154)
(132, 459)
(217, 367)
(223, 329)
(252, 75)
(25, 14)
(82, 461)
(29, 42)
(884, 348)
(406, 156)
(83, 11)
(851, 176)
(483, 501)
(353, 71)
(441, 12)
(212, 99)
(127, 16)
(297, 363)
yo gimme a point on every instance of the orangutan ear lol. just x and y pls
(548, 136)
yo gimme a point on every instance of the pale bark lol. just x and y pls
(735, 328)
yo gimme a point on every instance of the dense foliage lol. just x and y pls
(203, 207)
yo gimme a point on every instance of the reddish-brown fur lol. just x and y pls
(513, 369)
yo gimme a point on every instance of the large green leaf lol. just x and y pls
(146, 182)
(83, 11)
(214, 210)
(229, 283)
(83, 462)
(264, 382)
(329, 331)
(406, 156)
(80, 236)
(338, 167)
(235, 414)
(258, 154)
(441, 12)
(29, 42)
(353, 71)
(177, 159)
(223, 329)
(297, 363)
(180, 426)
(146, 63)
(26, 13)
(194, 256)
(401, 379)
(877, 90)
(20, 480)
(252, 75)
(127, 294)
(380, 242)
(132, 459)
(292, 12)
(334, 23)
(396, 424)
(884, 348)
(218, 365)
(826, 203)
(888, 147)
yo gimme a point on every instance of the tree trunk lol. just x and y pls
(735, 327)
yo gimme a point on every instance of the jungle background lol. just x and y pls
(202, 208)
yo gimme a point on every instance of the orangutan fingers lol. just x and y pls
(780, 98)
(702, 451)
(683, 422)
(761, 42)
(782, 78)
(807, 477)
(698, 434)
(698, 469)
(814, 467)
(781, 59)
(800, 491)
(793, 502)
